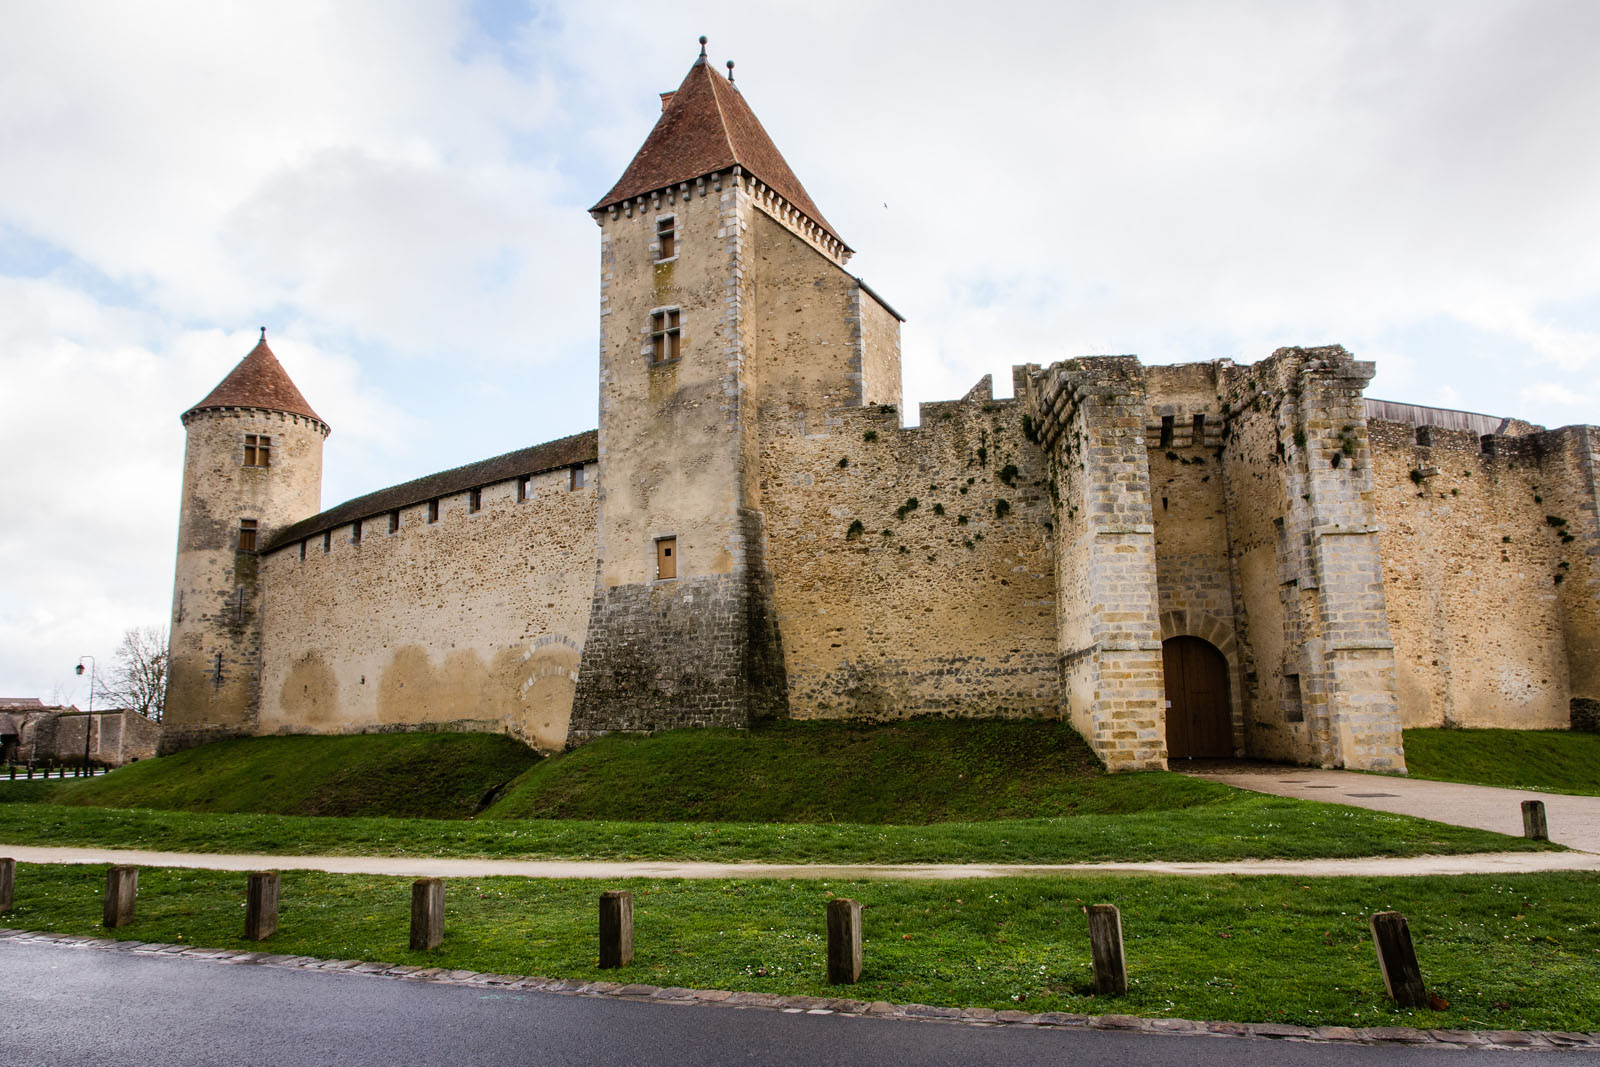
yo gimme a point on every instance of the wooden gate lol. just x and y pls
(1199, 713)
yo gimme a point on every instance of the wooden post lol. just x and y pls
(261, 906)
(1533, 824)
(1105, 950)
(122, 886)
(844, 941)
(1398, 960)
(427, 913)
(616, 928)
(8, 884)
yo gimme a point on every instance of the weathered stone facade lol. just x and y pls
(1186, 560)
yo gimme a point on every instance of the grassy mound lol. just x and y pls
(437, 776)
(924, 771)
(1556, 761)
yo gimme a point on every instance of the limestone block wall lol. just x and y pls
(215, 642)
(475, 621)
(1184, 434)
(1479, 575)
(1317, 660)
(913, 566)
(1090, 416)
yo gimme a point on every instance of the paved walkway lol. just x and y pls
(1574, 821)
(426, 867)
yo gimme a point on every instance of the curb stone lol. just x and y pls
(1376, 1035)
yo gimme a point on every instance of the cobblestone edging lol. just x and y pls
(1375, 1035)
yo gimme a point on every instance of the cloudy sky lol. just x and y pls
(397, 190)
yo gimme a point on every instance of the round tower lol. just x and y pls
(252, 464)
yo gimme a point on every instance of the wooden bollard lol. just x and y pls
(427, 913)
(1105, 950)
(844, 941)
(616, 928)
(122, 886)
(1391, 936)
(261, 906)
(1533, 824)
(8, 884)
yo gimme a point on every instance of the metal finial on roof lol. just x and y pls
(263, 335)
(702, 46)
(730, 70)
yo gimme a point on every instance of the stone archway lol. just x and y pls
(1215, 633)
(1199, 711)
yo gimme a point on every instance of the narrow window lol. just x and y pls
(1166, 431)
(522, 488)
(1425, 436)
(577, 477)
(1199, 429)
(666, 238)
(433, 510)
(327, 541)
(1293, 710)
(355, 532)
(474, 500)
(257, 450)
(302, 550)
(247, 535)
(394, 521)
(664, 333)
(666, 557)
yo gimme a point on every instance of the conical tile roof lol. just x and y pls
(259, 381)
(707, 127)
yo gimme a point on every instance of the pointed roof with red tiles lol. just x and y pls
(259, 381)
(704, 128)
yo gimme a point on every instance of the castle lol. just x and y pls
(1200, 560)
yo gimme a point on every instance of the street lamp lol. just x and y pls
(88, 721)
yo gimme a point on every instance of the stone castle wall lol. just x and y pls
(913, 566)
(475, 621)
(1487, 546)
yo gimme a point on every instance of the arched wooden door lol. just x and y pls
(1199, 714)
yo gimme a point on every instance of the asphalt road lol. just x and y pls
(64, 1006)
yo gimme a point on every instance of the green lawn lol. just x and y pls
(1502, 951)
(1233, 824)
(1555, 761)
(422, 775)
(922, 771)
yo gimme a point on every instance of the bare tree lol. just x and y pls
(137, 676)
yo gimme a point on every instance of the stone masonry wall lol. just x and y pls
(1318, 660)
(1476, 570)
(1188, 503)
(1090, 414)
(475, 621)
(913, 565)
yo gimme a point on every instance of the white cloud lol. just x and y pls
(400, 198)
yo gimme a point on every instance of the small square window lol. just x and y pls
(666, 558)
(577, 477)
(247, 535)
(666, 238)
(522, 488)
(394, 521)
(474, 500)
(433, 510)
(257, 450)
(665, 332)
